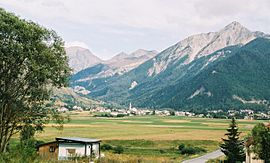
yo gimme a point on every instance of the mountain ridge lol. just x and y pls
(115, 66)
(179, 63)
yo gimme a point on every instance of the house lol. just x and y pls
(62, 109)
(64, 148)
(250, 156)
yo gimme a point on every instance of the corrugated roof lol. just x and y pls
(78, 139)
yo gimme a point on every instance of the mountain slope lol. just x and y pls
(175, 63)
(116, 66)
(240, 80)
(81, 58)
(67, 97)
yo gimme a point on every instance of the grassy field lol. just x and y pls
(147, 137)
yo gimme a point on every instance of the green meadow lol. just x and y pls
(149, 138)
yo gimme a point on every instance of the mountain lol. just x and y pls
(80, 58)
(67, 97)
(118, 65)
(186, 75)
(238, 80)
(123, 62)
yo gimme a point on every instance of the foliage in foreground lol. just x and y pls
(261, 142)
(32, 60)
(232, 147)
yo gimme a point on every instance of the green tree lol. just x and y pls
(261, 142)
(232, 147)
(32, 61)
(27, 146)
(27, 133)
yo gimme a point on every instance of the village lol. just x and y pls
(248, 114)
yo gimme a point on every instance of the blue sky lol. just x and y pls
(108, 27)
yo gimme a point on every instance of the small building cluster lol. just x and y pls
(240, 114)
(131, 111)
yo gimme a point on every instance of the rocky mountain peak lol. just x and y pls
(232, 34)
(203, 44)
(234, 25)
(121, 55)
(81, 58)
(144, 53)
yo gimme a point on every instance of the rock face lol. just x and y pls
(203, 44)
(81, 58)
(175, 77)
(123, 62)
(118, 65)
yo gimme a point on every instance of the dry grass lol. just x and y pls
(176, 121)
(147, 128)
(123, 158)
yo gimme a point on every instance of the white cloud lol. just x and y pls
(155, 14)
(76, 43)
(124, 25)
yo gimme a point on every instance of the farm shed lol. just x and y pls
(48, 150)
(67, 147)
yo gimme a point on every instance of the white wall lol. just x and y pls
(80, 149)
(95, 149)
(250, 158)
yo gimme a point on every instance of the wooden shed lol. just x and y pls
(48, 150)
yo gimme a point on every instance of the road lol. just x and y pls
(206, 157)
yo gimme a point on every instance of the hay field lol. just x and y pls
(82, 124)
(153, 138)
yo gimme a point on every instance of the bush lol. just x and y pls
(103, 115)
(181, 147)
(190, 150)
(106, 147)
(118, 150)
(162, 151)
(120, 115)
(198, 149)
(25, 152)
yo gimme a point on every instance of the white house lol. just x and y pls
(65, 148)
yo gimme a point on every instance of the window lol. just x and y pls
(52, 149)
(71, 152)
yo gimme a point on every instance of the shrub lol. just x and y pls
(106, 147)
(118, 149)
(120, 115)
(190, 150)
(181, 147)
(103, 115)
(25, 152)
(162, 151)
(198, 149)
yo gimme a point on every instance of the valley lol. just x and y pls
(176, 94)
(152, 138)
(134, 81)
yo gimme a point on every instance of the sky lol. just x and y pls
(108, 27)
